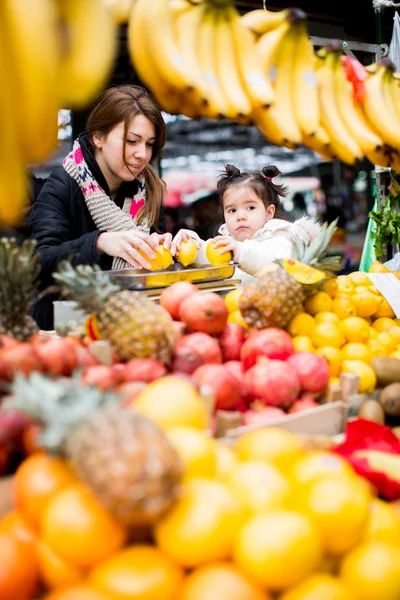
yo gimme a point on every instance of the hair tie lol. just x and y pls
(230, 177)
(269, 178)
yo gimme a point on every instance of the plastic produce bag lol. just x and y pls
(368, 253)
(394, 49)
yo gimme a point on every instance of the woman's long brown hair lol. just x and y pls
(122, 103)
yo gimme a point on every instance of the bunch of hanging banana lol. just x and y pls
(53, 54)
(201, 62)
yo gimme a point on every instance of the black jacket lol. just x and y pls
(63, 228)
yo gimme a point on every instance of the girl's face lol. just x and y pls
(109, 153)
(245, 213)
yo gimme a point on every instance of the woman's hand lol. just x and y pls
(227, 242)
(182, 236)
(126, 245)
(164, 240)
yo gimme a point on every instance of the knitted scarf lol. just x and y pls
(106, 215)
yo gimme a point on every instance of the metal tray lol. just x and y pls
(140, 279)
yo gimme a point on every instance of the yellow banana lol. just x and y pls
(395, 92)
(268, 49)
(248, 60)
(381, 157)
(138, 31)
(13, 189)
(379, 108)
(352, 115)
(320, 143)
(178, 7)
(30, 35)
(239, 104)
(343, 144)
(305, 92)
(89, 58)
(119, 9)
(261, 21)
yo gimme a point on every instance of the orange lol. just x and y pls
(201, 525)
(18, 569)
(339, 506)
(383, 324)
(383, 523)
(327, 334)
(318, 302)
(232, 300)
(15, 524)
(385, 310)
(320, 586)
(343, 307)
(77, 592)
(355, 329)
(216, 256)
(259, 486)
(333, 357)
(196, 450)
(302, 343)
(237, 317)
(319, 464)
(54, 571)
(301, 324)
(172, 401)
(277, 549)
(38, 478)
(220, 580)
(77, 527)
(272, 445)
(357, 351)
(326, 317)
(372, 571)
(138, 573)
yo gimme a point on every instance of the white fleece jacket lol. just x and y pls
(276, 240)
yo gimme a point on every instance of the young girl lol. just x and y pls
(252, 231)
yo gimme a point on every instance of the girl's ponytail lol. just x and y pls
(269, 172)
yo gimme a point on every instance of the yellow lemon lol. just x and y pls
(343, 307)
(366, 303)
(330, 287)
(216, 256)
(387, 340)
(301, 324)
(395, 332)
(316, 465)
(187, 252)
(303, 343)
(232, 300)
(318, 302)
(376, 348)
(397, 322)
(319, 586)
(359, 278)
(372, 571)
(384, 310)
(275, 446)
(355, 329)
(383, 324)
(237, 317)
(327, 334)
(374, 290)
(345, 285)
(357, 351)
(333, 356)
(378, 267)
(339, 506)
(365, 373)
(196, 451)
(372, 333)
(162, 259)
(334, 381)
(326, 317)
(383, 523)
(226, 460)
(395, 354)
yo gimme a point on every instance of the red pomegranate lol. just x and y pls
(180, 329)
(100, 376)
(204, 312)
(203, 344)
(128, 391)
(272, 342)
(223, 384)
(186, 360)
(143, 369)
(172, 297)
(20, 358)
(236, 368)
(261, 416)
(58, 355)
(231, 341)
(272, 381)
(303, 404)
(312, 371)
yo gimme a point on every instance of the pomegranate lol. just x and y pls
(203, 344)
(231, 341)
(236, 368)
(100, 376)
(312, 371)
(172, 297)
(143, 369)
(6, 341)
(180, 329)
(58, 355)
(128, 391)
(261, 416)
(204, 312)
(84, 358)
(22, 358)
(303, 404)
(12, 424)
(119, 371)
(272, 342)
(223, 384)
(272, 381)
(186, 360)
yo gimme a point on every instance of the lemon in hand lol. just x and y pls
(187, 252)
(216, 256)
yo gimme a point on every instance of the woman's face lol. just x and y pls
(109, 153)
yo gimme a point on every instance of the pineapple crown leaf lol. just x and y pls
(58, 406)
(315, 250)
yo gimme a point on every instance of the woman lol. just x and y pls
(104, 202)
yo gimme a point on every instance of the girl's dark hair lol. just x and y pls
(121, 104)
(260, 183)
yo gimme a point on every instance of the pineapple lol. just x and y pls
(121, 455)
(19, 270)
(133, 324)
(277, 293)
